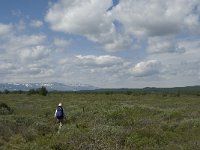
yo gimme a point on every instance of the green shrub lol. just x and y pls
(137, 141)
(29, 134)
(5, 109)
(42, 128)
(164, 94)
(6, 91)
(59, 146)
(43, 91)
(32, 91)
(5, 132)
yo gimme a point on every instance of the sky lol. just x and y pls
(104, 43)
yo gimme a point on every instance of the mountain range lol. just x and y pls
(53, 86)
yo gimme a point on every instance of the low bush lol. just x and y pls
(5, 109)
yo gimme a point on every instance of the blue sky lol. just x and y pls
(107, 43)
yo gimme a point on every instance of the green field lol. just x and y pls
(100, 121)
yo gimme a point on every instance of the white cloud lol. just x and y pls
(107, 70)
(137, 19)
(35, 70)
(102, 70)
(79, 17)
(164, 35)
(16, 40)
(24, 57)
(148, 68)
(62, 43)
(180, 69)
(36, 23)
(15, 43)
(118, 43)
(5, 29)
(163, 45)
(191, 53)
(101, 61)
(20, 26)
(6, 67)
(154, 18)
(192, 21)
(90, 19)
(34, 53)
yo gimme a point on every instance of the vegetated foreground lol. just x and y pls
(118, 121)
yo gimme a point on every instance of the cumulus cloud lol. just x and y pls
(15, 43)
(180, 69)
(148, 68)
(62, 43)
(36, 23)
(154, 18)
(20, 26)
(102, 70)
(35, 70)
(109, 69)
(5, 29)
(79, 17)
(101, 61)
(27, 40)
(90, 64)
(34, 53)
(6, 67)
(190, 53)
(118, 43)
(164, 33)
(163, 45)
(90, 19)
(19, 51)
(135, 20)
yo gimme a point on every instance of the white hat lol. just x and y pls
(60, 104)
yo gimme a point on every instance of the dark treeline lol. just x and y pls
(175, 91)
(41, 91)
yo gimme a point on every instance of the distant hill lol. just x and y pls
(173, 89)
(54, 86)
(185, 90)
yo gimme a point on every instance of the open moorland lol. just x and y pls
(100, 121)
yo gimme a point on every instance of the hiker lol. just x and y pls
(60, 114)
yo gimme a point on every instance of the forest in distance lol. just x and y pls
(193, 90)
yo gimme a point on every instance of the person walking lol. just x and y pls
(60, 114)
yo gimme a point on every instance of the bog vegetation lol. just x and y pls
(101, 120)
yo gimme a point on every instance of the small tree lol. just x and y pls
(31, 91)
(20, 92)
(43, 91)
(5, 109)
(6, 91)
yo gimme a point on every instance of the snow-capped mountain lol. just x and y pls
(54, 86)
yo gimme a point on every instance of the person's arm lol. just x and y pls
(55, 113)
(63, 112)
